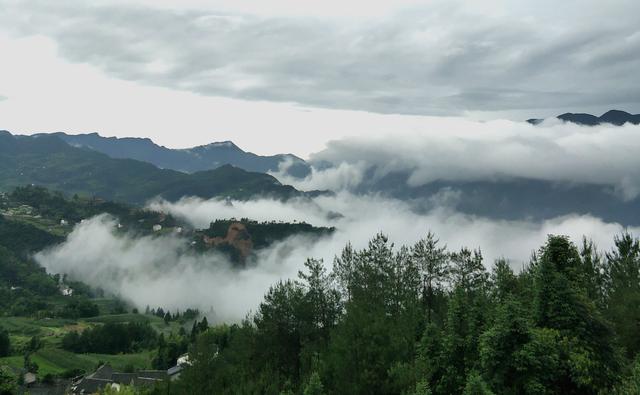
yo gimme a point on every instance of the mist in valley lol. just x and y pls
(165, 271)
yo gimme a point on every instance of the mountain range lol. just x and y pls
(507, 198)
(48, 161)
(134, 170)
(614, 117)
(190, 160)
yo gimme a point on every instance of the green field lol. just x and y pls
(56, 361)
(45, 224)
(52, 359)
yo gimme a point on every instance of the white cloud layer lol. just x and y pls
(460, 150)
(162, 270)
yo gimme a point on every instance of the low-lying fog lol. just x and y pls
(163, 270)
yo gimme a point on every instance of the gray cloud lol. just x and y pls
(440, 58)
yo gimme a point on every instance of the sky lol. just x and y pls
(280, 76)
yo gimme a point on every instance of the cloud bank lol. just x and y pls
(458, 150)
(163, 271)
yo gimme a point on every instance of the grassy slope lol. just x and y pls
(52, 359)
(57, 361)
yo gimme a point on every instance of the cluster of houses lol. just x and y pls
(105, 376)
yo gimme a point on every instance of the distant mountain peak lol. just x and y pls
(219, 144)
(614, 117)
(47, 160)
(188, 160)
(615, 112)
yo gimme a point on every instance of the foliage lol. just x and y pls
(111, 338)
(8, 384)
(314, 386)
(79, 307)
(422, 320)
(263, 234)
(5, 343)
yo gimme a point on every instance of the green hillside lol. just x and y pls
(48, 161)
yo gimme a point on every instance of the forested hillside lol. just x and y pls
(50, 162)
(425, 320)
(204, 157)
(239, 239)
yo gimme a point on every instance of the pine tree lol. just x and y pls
(622, 272)
(467, 270)
(475, 385)
(314, 385)
(5, 343)
(432, 262)
(591, 360)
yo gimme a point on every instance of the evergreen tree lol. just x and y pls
(379, 327)
(8, 384)
(278, 324)
(622, 272)
(196, 377)
(591, 361)
(594, 272)
(5, 343)
(467, 270)
(432, 262)
(500, 345)
(314, 385)
(475, 385)
(429, 363)
(504, 281)
(631, 384)
(422, 388)
(319, 311)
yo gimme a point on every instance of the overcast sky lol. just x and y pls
(288, 76)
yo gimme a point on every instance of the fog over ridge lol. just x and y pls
(461, 150)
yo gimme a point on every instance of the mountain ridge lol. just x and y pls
(613, 117)
(48, 161)
(187, 160)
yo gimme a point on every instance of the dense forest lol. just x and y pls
(424, 320)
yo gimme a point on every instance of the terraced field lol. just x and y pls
(51, 359)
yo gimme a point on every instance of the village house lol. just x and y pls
(106, 376)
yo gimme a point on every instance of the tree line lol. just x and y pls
(425, 320)
(111, 338)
